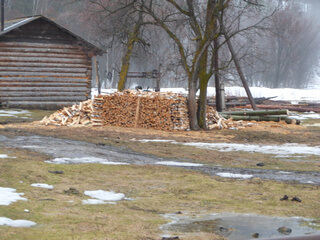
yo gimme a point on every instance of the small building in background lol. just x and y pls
(43, 65)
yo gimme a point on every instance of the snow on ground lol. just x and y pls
(285, 94)
(84, 160)
(12, 113)
(5, 156)
(280, 150)
(16, 223)
(42, 185)
(309, 116)
(9, 195)
(102, 197)
(234, 175)
(180, 164)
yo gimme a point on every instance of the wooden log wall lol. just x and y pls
(42, 66)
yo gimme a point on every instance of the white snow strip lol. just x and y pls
(13, 113)
(42, 185)
(285, 149)
(84, 160)
(105, 195)
(9, 195)
(283, 172)
(155, 140)
(16, 223)
(5, 156)
(308, 116)
(234, 175)
(281, 150)
(182, 164)
(96, 201)
(286, 94)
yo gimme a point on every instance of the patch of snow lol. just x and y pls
(280, 150)
(308, 116)
(9, 195)
(234, 175)
(182, 164)
(103, 197)
(83, 160)
(283, 172)
(154, 140)
(16, 223)
(95, 201)
(285, 149)
(5, 156)
(12, 113)
(42, 185)
(285, 94)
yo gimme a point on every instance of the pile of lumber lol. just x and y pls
(268, 103)
(70, 116)
(233, 101)
(261, 115)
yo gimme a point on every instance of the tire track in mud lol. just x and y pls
(71, 149)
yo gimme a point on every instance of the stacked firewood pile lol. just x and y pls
(71, 116)
(165, 111)
(162, 111)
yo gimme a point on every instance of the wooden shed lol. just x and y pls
(43, 65)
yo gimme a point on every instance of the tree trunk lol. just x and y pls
(192, 105)
(125, 64)
(202, 104)
(239, 70)
(216, 72)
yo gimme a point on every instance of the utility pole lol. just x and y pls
(2, 15)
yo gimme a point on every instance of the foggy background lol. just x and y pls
(283, 52)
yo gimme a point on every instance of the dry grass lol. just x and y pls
(154, 190)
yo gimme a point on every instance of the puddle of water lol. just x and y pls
(237, 226)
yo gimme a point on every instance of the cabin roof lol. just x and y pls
(13, 24)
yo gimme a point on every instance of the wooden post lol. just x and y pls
(137, 113)
(2, 15)
(97, 75)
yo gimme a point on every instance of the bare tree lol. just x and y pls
(195, 39)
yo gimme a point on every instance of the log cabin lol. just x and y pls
(43, 65)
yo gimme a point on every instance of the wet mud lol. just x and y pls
(62, 148)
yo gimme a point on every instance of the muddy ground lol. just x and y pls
(125, 145)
